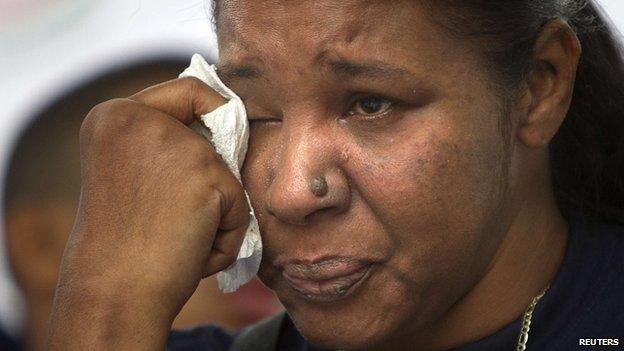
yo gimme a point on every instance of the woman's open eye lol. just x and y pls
(370, 106)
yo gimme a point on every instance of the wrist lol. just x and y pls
(100, 316)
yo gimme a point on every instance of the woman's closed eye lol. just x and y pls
(263, 119)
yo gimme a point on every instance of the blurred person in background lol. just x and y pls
(41, 196)
(8, 342)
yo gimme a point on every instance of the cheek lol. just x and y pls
(441, 178)
(446, 152)
(435, 190)
(259, 168)
(434, 186)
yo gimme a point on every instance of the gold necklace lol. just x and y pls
(523, 338)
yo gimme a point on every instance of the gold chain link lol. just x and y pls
(523, 338)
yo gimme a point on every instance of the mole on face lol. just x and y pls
(319, 186)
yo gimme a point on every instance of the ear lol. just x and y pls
(550, 83)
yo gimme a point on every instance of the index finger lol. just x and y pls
(182, 98)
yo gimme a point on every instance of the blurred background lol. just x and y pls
(58, 58)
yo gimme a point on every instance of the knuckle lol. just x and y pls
(107, 119)
(115, 110)
(209, 195)
(212, 193)
(154, 130)
(125, 120)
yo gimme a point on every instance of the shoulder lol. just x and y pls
(603, 313)
(601, 249)
(607, 244)
(588, 302)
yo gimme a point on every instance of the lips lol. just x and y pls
(326, 280)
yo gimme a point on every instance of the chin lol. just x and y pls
(341, 337)
(344, 331)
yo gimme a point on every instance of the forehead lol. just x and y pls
(273, 29)
(327, 14)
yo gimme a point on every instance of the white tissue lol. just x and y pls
(229, 134)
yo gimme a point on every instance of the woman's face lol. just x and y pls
(375, 164)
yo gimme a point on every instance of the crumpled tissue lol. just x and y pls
(228, 131)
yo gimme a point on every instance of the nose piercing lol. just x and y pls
(318, 186)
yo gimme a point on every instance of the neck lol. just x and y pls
(524, 265)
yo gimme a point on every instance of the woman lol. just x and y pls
(428, 175)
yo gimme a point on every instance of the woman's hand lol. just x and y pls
(158, 211)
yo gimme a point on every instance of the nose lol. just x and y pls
(309, 181)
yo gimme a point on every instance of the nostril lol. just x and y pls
(287, 210)
(320, 213)
(289, 215)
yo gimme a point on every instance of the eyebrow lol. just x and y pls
(372, 69)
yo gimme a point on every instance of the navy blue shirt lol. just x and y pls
(585, 301)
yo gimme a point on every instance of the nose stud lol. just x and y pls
(319, 186)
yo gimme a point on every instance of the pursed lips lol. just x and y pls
(327, 279)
